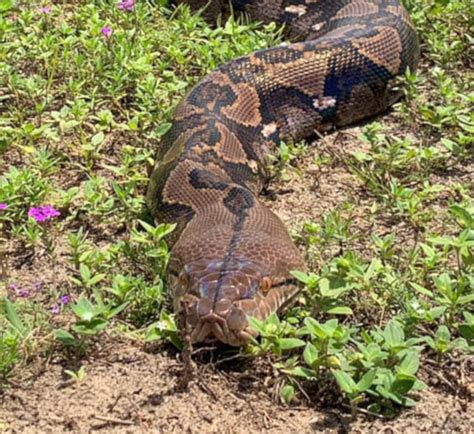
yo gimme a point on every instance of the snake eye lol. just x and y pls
(266, 284)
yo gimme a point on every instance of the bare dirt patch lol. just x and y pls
(127, 389)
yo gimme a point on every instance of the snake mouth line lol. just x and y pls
(215, 328)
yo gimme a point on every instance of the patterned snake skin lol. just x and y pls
(231, 256)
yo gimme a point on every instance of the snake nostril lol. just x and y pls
(236, 319)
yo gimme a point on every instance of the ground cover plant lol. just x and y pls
(383, 211)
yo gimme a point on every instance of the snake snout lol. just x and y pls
(218, 298)
(225, 321)
(215, 298)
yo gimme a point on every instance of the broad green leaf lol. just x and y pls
(345, 381)
(153, 333)
(361, 156)
(429, 251)
(163, 129)
(469, 317)
(90, 328)
(393, 334)
(436, 312)
(383, 392)
(421, 289)
(84, 309)
(96, 279)
(395, 397)
(314, 327)
(302, 277)
(116, 310)
(287, 393)
(301, 372)
(85, 272)
(6, 5)
(443, 241)
(374, 267)
(13, 317)
(466, 299)
(429, 340)
(419, 385)
(149, 228)
(467, 331)
(310, 355)
(65, 338)
(408, 402)
(339, 310)
(256, 324)
(462, 214)
(330, 327)
(403, 384)
(443, 334)
(443, 282)
(366, 381)
(98, 138)
(410, 363)
(324, 287)
(290, 343)
(337, 292)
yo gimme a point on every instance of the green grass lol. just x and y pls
(81, 117)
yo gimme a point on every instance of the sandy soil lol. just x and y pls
(128, 390)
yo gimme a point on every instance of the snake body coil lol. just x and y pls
(231, 256)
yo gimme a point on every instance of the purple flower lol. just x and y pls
(38, 285)
(127, 5)
(42, 213)
(45, 10)
(23, 293)
(107, 32)
(55, 309)
(64, 299)
(3, 206)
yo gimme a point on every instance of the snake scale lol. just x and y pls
(231, 256)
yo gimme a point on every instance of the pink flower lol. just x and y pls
(55, 309)
(3, 206)
(45, 10)
(107, 32)
(126, 5)
(43, 213)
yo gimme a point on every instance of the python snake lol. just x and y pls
(231, 256)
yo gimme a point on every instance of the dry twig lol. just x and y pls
(113, 420)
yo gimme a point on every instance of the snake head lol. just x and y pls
(214, 298)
